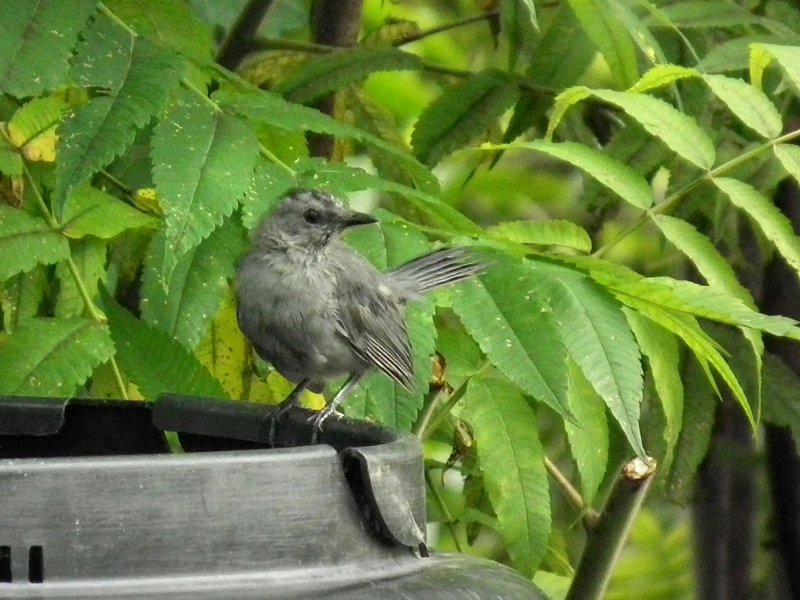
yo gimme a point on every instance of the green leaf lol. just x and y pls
(196, 287)
(554, 586)
(89, 256)
(703, 301)
(714, 268)
(326, 73)
(661, 75)
(561, 57)
(51, 357)
(153, 361)
(789, 156)
(788, 57)
(462, 113)
(597, 336)
(512, 463)
(172, 23)
(504, 313)
(563, 54)
(272, 109)
(390, 243)
(267, 187)
(748, 103)
(661, 349)
(773, 223)
(610, 38)
(678, 131)
(703, 347)
(695, 436)
(203, 165)
(340, 179)
(36, 42)
(90, 211)
(21, 296)
(641, 35)
(781, 395)
(518, 24)
(588, 439)
(376, 119)
(546, 233)
(11, 164)
(136, 78)
(617, 176)
(391, 32)
(733, 54)
(702, 14)
(27, 241)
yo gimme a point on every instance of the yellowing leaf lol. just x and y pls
(224, 351)
(32, 129)
(146, 199)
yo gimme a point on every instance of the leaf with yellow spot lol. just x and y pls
(268, 68)
(32, 129)
(146, 199)
(224, 350)
(104, 384)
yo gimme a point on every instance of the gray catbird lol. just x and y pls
(315, 308)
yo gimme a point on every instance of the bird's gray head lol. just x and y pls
(307, 218)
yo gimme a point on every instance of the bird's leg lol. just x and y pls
(292, 400)
(330, 409)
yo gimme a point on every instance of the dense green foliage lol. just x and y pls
(132, 167)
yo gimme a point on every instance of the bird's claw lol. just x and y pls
(283, 408)
(318, 419)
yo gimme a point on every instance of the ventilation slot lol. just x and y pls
(5, 564)
(35, 564)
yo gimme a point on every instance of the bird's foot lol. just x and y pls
(284, 407)
(318, 419)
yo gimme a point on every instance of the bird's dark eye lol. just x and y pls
(312, 216)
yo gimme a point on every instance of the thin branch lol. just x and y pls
(428, 408)
(492, 14)
(574, 497)
(314, 48)
(238, 41)
(674, 199)
(434, 421)
(110, 14)
(335, 23)
(448, 518)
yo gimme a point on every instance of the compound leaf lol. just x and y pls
(512, 462)
(203, 164)
(51, 357)
(135, 77)
(27, 241)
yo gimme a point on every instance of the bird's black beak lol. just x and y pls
(353, 218)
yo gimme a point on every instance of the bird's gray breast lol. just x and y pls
(288, 310)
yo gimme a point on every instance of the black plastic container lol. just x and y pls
(92, 504)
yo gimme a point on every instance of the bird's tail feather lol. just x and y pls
(439, 268)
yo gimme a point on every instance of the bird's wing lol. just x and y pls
(370, 319)
(438, 268)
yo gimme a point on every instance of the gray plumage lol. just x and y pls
(316, 309)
